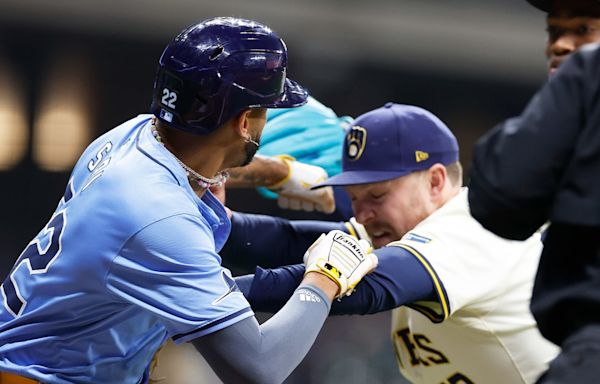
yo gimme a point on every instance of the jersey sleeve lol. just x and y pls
(170, 268)
(436, 310)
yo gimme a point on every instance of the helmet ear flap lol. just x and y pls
(168, 96)
(201, 109)
(185, 103)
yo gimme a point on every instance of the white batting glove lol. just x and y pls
(294, 190)
(342, 258)
(358, 230)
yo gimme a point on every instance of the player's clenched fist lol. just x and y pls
(342, 258)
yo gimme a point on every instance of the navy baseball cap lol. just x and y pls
(393, 141)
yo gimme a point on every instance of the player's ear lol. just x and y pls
(241, 123)
(438, 177)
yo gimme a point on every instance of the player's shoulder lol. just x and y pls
(452, 226)
(146, 197)
(109, 140)
(130, 180)
(453, 218)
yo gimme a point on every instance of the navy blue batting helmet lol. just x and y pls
(215, 69)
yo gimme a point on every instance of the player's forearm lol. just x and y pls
(399, 279)
(247, 352)
(261, 172)
(267, 290)
(270, 241)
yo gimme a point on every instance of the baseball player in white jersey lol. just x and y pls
(480, 329)
(460, 294)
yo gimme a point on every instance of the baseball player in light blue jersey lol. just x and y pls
(129, 257)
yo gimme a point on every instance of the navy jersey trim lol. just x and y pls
(439, 288)
(213, 324)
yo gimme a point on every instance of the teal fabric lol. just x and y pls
(312, 134)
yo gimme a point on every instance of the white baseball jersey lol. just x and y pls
(480, 330)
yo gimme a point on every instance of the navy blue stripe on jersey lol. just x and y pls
(428, 312)
(68, 192)
(440, 291)
(205, 328)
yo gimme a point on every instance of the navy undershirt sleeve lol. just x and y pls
(399, 279)
(270, 241)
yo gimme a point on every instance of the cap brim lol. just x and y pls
(360, 177)
(294, 95)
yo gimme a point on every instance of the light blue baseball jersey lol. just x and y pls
(128, 259)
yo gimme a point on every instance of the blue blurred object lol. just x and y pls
(312, 134)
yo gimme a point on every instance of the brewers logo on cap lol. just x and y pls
(356, 140)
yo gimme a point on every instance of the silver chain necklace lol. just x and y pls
(202, 181)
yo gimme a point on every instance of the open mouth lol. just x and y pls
(381, 238)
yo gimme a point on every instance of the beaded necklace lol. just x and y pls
(202, 181)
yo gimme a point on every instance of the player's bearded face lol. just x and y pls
(250, 148)
(390, 209)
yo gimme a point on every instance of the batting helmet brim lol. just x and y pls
(294, 95)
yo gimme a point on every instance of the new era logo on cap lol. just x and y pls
(421, 156)
(393, 141)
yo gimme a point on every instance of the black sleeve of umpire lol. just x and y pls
(521, 166)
